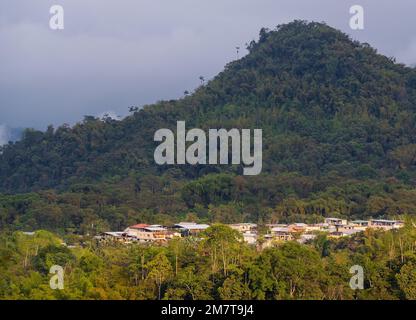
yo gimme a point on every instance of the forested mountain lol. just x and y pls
(338, 139)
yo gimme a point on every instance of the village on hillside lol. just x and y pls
(301, 232)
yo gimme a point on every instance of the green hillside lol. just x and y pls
(338, 139)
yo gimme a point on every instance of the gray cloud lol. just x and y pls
(114, 54)
(4, 134)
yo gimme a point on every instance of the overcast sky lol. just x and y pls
(113, 54)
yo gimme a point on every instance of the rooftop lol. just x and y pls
(155, 228)
(191, 225)
(139, 226)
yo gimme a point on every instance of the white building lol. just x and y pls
(190, 228)
(386, 224)
(250, 237)
(243, 227)
(149, 233)
(336, 221)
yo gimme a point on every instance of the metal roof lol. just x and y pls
(192, 226)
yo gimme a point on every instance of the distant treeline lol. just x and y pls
(226, 198)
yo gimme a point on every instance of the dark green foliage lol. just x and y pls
(338, 136)
(325, 103)
(52, 255)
